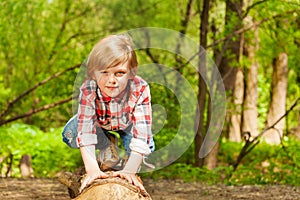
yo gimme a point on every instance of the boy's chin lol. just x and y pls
(112, 94)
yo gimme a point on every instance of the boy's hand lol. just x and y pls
(131, 168)
(90, 177)
(130, 177)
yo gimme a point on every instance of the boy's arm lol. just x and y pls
(87, 137)
(91, 166)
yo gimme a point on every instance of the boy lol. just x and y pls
(112, 98)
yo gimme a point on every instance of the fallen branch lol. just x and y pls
(250, 144)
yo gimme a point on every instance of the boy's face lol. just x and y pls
(113, 81)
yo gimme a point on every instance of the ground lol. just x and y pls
(49, 189)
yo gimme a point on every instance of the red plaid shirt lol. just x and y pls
(132, 106)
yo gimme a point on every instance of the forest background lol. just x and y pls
(254, 44)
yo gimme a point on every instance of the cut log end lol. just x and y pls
(112, 188)
(109, 188)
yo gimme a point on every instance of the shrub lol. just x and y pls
(49, 154)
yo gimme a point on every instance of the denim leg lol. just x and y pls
(126, 138)
(69, 133)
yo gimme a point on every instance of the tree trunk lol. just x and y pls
(201, 83)
(229, 67)
(212, 159)
(278, 99)
(236, 117)
(250, 112)
(25, 166)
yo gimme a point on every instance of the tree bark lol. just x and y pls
(236, 116)
(250, 112)
(278, 99)
(211, 160)
(229, 67)
(201, 83)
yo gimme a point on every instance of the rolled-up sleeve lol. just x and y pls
(86, 114)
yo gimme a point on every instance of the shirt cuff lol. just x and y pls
(139, 146)
(86, 139)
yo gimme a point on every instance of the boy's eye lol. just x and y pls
(120, 73)
(103, 72)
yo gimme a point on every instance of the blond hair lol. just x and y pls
(110, 52)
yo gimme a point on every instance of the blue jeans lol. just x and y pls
(69, 135)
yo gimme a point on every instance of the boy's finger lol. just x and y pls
(103, 175)
(138, 184)
(85, 182)
(115, 174)
(82, 187)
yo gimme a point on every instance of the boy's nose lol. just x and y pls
(112, 78)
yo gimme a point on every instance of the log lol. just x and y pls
(113, 188)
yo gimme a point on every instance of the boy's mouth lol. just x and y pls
(111, 87)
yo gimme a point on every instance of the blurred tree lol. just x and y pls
(250, 41)
(230, 68)
(202, 91)
(278, 99)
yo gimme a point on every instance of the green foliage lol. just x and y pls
(40, 38)
(49, 154)
(265, 164)
(186, 172)
(277, 36)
